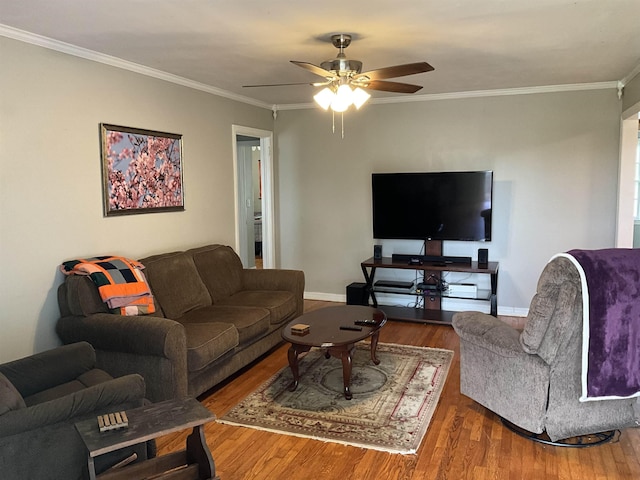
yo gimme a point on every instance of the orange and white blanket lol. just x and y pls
(120, 281)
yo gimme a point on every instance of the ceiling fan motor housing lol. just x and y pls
(342, 66)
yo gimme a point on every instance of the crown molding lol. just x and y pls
(631, 75)
(87, 54)
(476, 94)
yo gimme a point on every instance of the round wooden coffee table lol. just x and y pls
(325, 332)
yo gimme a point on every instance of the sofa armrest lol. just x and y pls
(154, 347)
(143, 335)
(488, 332)
(117, 394)
(276, 279)
(50, 368)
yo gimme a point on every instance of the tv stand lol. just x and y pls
(432, 311)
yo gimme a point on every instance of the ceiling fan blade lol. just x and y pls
(395, 87)
(314, 69)
(396, 71)
(277, 85)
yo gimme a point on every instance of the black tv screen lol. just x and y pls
(432, 205)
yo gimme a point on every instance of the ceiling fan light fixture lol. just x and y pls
(341, 99)
(324, 98)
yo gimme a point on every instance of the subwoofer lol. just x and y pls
(357, 294)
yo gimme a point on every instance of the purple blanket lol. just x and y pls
(611, 329)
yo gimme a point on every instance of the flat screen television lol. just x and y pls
(432, 205)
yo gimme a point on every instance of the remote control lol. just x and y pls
(351, 327)
(366, 322)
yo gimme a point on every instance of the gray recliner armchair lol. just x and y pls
(533, 378)
(42, 397)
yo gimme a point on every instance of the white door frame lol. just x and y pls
(268, 236)
(626, 176)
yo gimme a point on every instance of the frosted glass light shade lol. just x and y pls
(324, 98)
(360, 97)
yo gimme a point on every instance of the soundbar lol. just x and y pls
(435, 259)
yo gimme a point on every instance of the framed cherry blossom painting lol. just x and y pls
(141, 171)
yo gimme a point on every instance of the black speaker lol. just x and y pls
(377, 252)
(483, 258)
(357, 294)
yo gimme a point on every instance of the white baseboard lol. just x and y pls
(453, 305)
(513, 311)
(326, 297)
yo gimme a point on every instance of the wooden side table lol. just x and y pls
(147, 423)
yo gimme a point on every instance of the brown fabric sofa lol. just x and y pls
(214, 317)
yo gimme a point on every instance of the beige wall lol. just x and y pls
(50, 183)
(554, 157)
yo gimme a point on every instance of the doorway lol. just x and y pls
(253, 173)
(628, 227)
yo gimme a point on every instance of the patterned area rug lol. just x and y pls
(391, 407)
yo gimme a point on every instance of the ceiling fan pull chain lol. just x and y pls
(342, 114)
(333, 121)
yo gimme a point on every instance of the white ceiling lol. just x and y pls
(473, 44)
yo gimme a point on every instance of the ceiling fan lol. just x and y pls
(345, 82)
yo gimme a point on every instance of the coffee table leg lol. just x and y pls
(374, 346)
(292, 355)
(347, 356)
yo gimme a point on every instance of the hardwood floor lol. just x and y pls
(464, 440)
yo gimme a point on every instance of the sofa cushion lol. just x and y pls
(281, 305)
(85, 380)
(220, 269)
(208, 341)
(175, 283)
(250, 322)
(10, 398)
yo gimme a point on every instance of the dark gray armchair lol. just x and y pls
(41, 399)
(533, 378)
